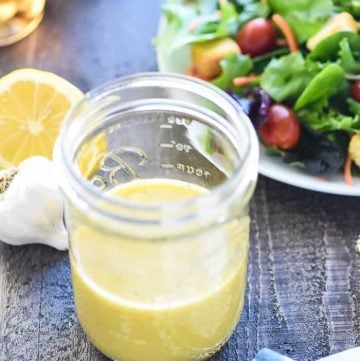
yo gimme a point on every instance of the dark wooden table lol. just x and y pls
(303, 294)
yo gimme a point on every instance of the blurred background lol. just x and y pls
(89, 41)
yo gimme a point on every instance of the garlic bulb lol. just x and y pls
(31, 205)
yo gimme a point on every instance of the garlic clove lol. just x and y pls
(58, 239)
(31, 205)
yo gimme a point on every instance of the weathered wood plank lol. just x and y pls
(21, 303)
(56, 318)
(342, 290)
(296, 251)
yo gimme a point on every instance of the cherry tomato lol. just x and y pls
(355, 90)
(281, 128)
(257, 37)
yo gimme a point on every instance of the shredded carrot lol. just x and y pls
(286, 30)
(347, 171)
(245, 80)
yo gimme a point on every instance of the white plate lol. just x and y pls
(273, 167)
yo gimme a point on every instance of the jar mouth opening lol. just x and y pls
(77, 187)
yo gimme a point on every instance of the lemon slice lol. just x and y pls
(33, 105)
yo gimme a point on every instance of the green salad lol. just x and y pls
(294, 66)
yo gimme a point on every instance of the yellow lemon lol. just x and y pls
(33, 105)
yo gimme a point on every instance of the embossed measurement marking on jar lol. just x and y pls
(180, 147)
(178, 120)
(167, 166)
(172, 120)
(189, 169)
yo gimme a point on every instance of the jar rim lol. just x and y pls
(214, 197)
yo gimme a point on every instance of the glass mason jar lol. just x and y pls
(19, 18)
(158, 281)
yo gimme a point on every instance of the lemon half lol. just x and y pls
(33, 105)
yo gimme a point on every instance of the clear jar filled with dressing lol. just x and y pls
(158, 170)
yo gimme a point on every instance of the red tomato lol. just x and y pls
(281, 128)
(257, 37)
(355, 90)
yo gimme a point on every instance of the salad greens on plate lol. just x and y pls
(294, 67)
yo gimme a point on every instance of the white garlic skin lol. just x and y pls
(31, 209)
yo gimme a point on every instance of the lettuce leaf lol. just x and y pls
(322, 86)
(351, 6)
(328, 49)
(286, 78)
(354, 106)
(232, 66)
(262, 61)
(195, 22)
(306, 17)
(250, 9)
(347, 58)
(343, 48)
(328, 119)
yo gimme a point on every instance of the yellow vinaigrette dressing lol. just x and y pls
(159, 300)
